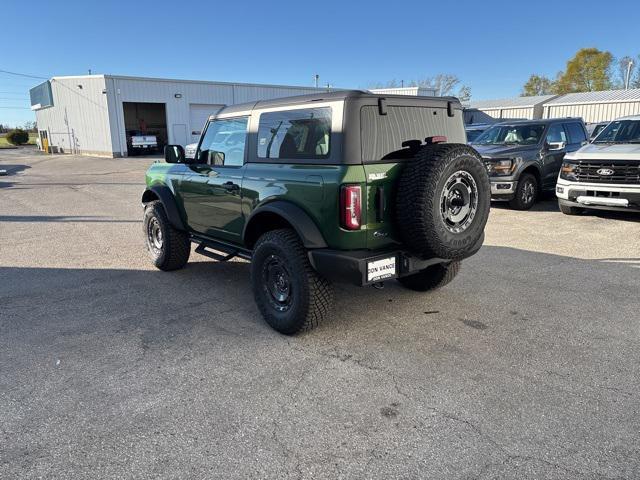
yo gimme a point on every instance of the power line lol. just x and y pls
(13, 93)
(23, 75)
(17, 108)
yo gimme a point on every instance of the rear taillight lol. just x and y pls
(350, 207)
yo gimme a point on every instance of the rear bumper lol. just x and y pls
(352, 266)
(625, 198)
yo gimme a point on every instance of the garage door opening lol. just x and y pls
(146, 127)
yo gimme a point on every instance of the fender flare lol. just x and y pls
(528, 164)
(300, 220)
(165, 195)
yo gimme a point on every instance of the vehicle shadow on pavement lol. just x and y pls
(517, 358)
(551, 205)
(12, 169)
(222, 293)
(545, 205)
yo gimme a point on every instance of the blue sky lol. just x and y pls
(492, 46)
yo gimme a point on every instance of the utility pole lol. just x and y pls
(317, 79)
(628, 77)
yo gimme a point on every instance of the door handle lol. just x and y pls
(231, 187)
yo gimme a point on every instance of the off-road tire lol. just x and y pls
(420, 193)
(524, 198)
(569, 210)
(310, 295)
(175, 245)
(431, 278)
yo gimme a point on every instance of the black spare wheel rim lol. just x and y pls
(155, 238)
(277, 283)
(459, 201)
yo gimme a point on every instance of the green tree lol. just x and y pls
(589, 70)
(17, 137)
(538, 85)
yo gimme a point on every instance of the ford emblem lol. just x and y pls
(605, 172)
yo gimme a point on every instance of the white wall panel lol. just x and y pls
(596, 112)
(78, 122)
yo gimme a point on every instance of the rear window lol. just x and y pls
(295, 134)
(382, 135)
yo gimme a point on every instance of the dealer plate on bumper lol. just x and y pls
(381, 269)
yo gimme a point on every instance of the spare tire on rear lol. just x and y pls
(443, 201)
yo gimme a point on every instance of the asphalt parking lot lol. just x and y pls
(527, 366)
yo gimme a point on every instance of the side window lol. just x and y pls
(556, 134)
(295, 134)
(576, 132)
(224, 142)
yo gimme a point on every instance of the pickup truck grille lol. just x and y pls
(624, 172)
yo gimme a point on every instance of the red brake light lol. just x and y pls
(350, 207)
(436, 139)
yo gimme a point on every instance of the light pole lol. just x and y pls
(628, 76)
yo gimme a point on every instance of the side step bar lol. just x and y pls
(219, 251)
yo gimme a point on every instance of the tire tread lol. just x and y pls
(177, 243)
(319, 299)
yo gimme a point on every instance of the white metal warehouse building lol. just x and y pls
(416, 91)
(92, 114)
(513, 108)
(601, 106)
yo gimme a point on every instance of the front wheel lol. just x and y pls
(526, 193)
(290, 294)
(431, 278)
(168, 247)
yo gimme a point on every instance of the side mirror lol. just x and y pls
(555, 146)
(174, 154)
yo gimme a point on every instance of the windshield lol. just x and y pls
(621, 131)
(598, 129)
(473, 134)
(511, 135)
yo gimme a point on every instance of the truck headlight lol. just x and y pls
(500, 168)
(568, 171)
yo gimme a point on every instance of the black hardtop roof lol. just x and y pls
(543, 121)
(322, 96)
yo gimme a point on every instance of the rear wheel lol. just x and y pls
(290, 294)
(569, 210)
(526, 192)
(431, 278)
(168, 247)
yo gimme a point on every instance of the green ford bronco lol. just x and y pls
(346, 186)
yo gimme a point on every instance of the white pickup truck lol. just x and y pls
(604, 174)
(142, 143)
